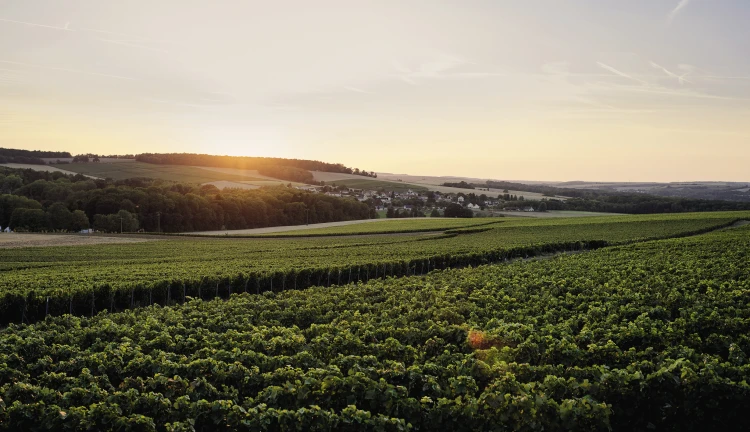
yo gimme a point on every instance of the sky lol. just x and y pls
(597, 90)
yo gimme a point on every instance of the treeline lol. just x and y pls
(638, 204)
(457, 211)
(45, 201)
(298, 175)
(33, 157)
(394, 213)
(462, 184)
(617, 202)
(245, 162)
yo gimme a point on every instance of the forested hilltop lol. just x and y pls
(45, 201)
(29, 156)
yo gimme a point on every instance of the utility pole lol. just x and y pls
(158, 222)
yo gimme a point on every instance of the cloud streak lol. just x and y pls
(133, 45)
(31, 24)
(620, 73)
(680, 78)
(680, 6)
(356, 90)
(442, 67)
(77, 71)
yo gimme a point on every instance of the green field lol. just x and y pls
(118, 276)
(647, 336)
(374, 184)
(389, 226)
(126, 170)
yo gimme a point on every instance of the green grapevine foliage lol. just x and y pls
(645, 336)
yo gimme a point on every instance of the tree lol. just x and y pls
(542, 207)
(129, 221)
(122, 220)
(28, 219)
(79, 221)
(390, 213)
(11, 183)
(455, 210)
(60, 218)
(81, 158)
(435, 213)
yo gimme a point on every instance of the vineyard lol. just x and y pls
(82, 280)
(642, 336)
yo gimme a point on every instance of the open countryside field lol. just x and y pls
(368, 183)
(101, 160)
(434, 184)
(599, 338)
(35, 167)
(259, 180)
(429, 180)
(16, 240)
(178, 173)
(331, 176)
(491, 192)
(361, 227)
(224, 184)
(553, 214)
(117, 276)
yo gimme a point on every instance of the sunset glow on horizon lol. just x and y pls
(642, 90)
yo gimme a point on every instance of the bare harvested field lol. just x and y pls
(17, 240)
(261, 179)
(434, 183)
(101, 160)
(329, 176)
(554, 214)
(45, 168)
(276, 229)
(239, 172)
(223, 184)
(428, 180)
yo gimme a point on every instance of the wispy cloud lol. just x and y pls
(176, 103)
(680, 78)
(444, 66)
(134, 45)
(680, 6)
(31, 24)
(125, 37)
(620, 73)
(356, 90)
(77, 71)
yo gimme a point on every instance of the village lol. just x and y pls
(412, 203)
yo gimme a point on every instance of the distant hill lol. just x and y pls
(28, 156)
(297, 170)
(270, 168)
